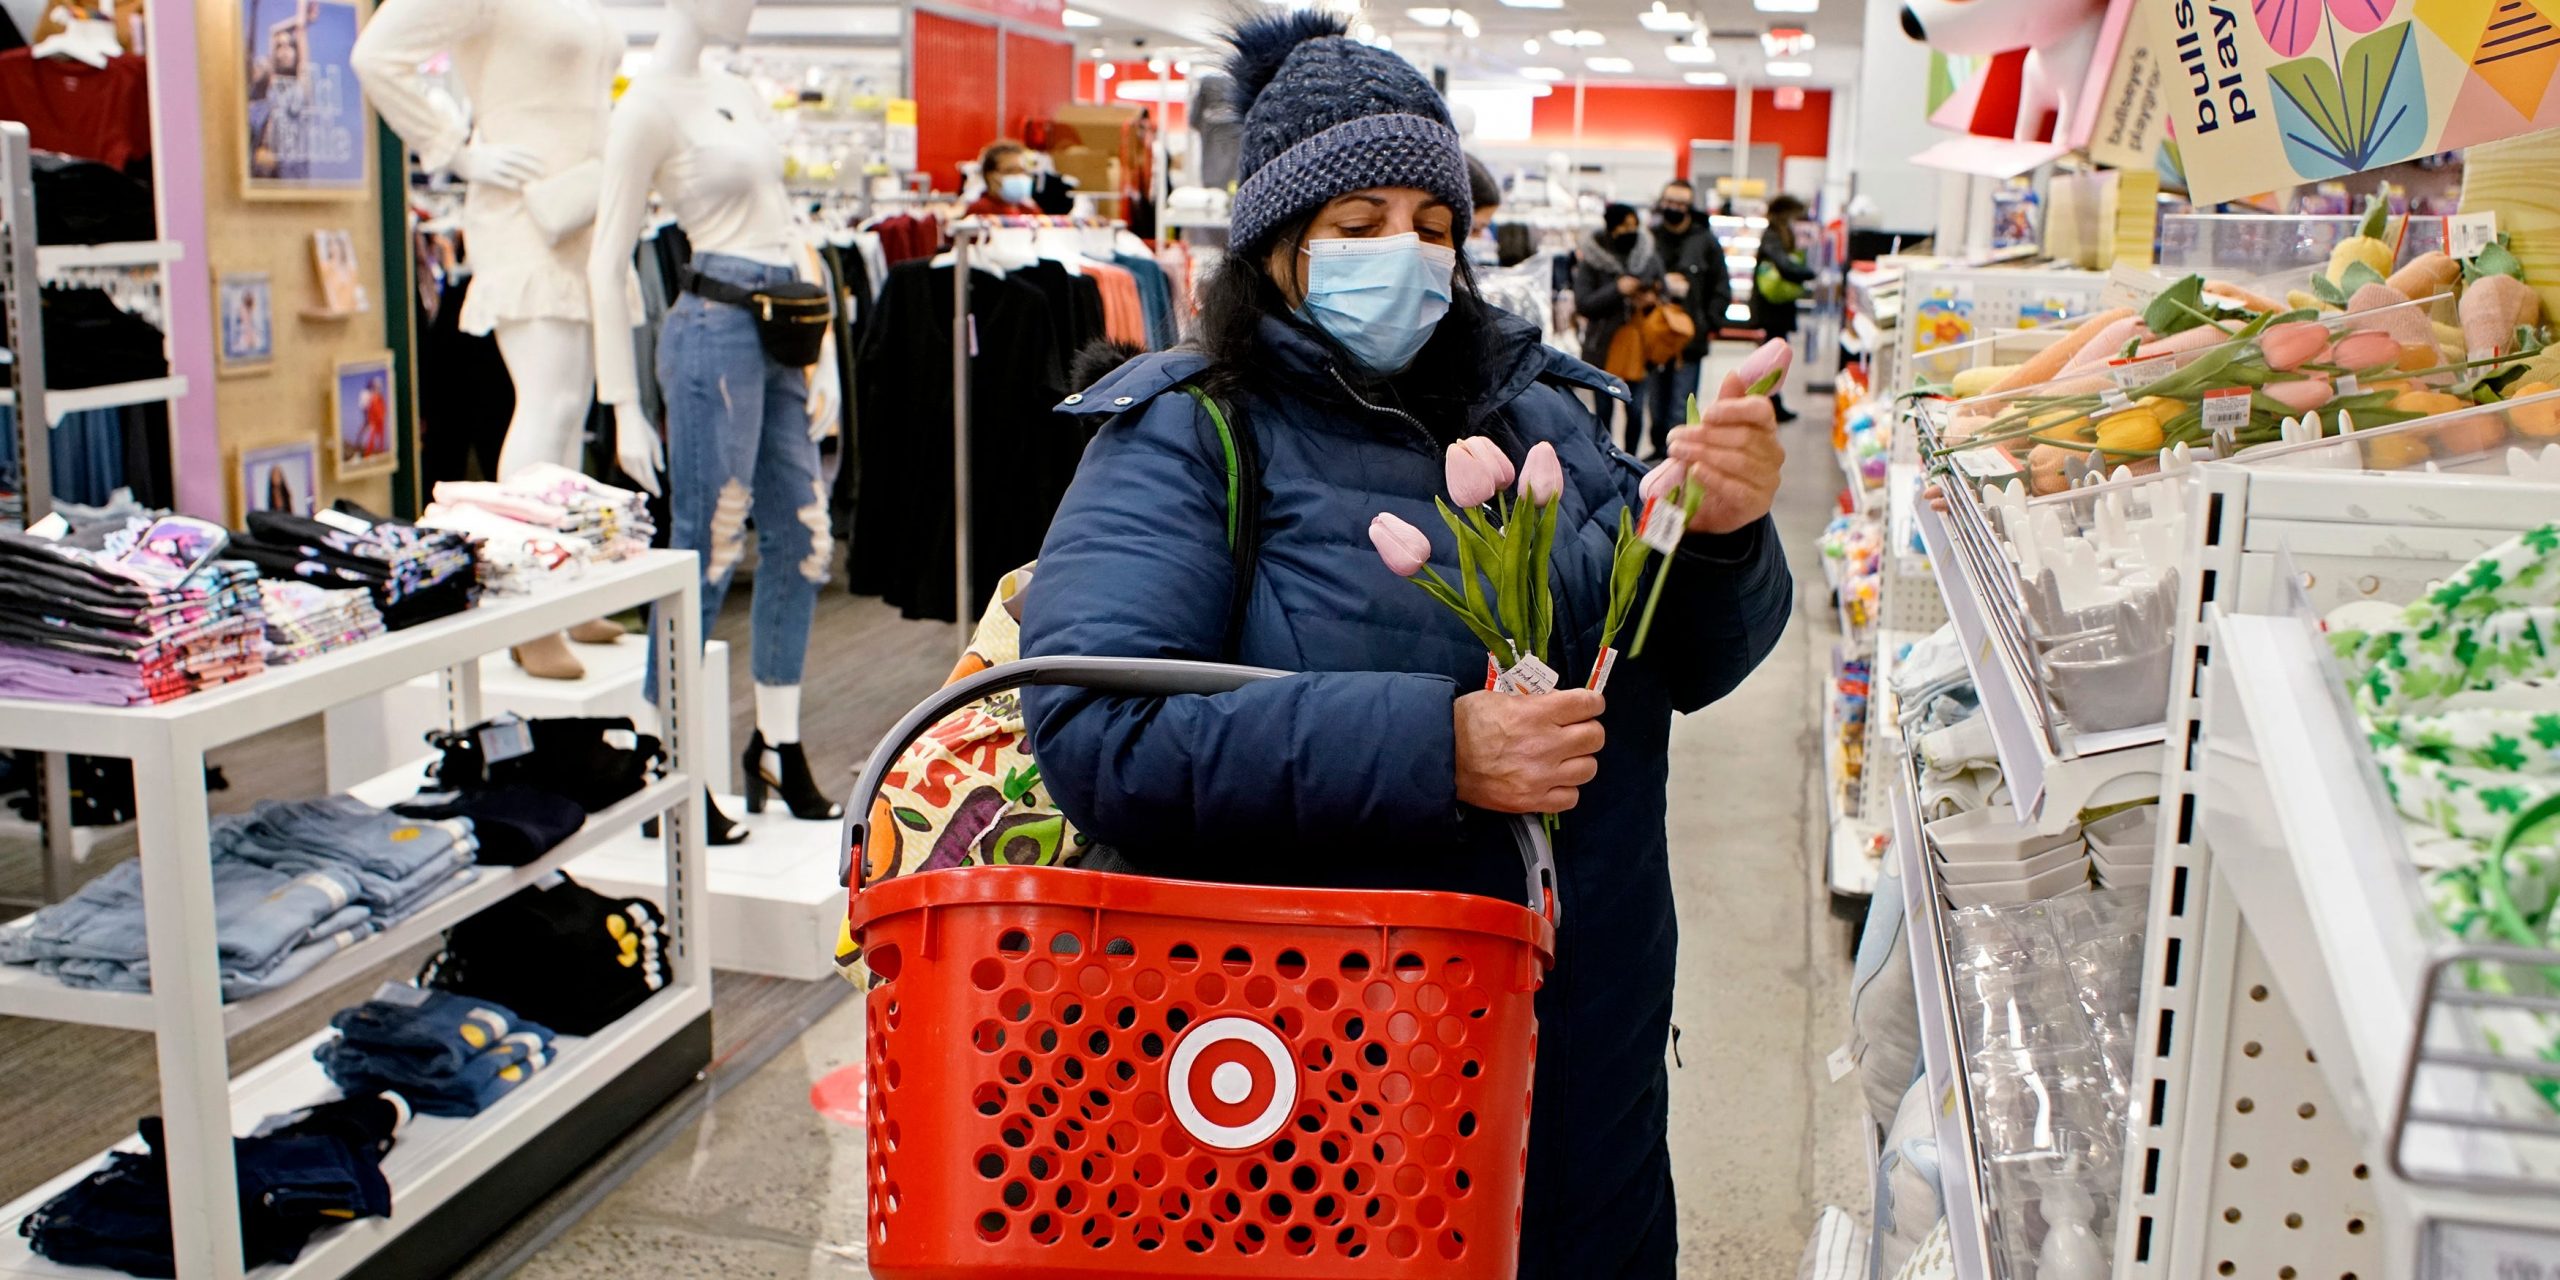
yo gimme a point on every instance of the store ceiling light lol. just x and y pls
(1690, 53)
(1788, 70)
(1530, 47)
(1106, 71)
(1582, 39)
(1079, 18)
(1708, 78)
(1533, 4)
(1787, 6)
(1430, 17)
(1661, 18)
(1613, 66)
(1542, 74)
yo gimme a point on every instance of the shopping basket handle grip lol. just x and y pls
(1142, 676)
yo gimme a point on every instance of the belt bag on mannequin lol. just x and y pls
(792, 316)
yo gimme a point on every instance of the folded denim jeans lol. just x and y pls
(340, 829)
(433, 1032)
(237, 984)
(466, 1091)
(260, 915)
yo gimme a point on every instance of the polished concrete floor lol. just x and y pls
(766, 1182)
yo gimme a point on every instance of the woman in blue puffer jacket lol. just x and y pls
(1344, 336)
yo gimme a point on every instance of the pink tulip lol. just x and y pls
(2301, 395)
(1541, 476)
(2366, 351)
(1763, 369)
(2290, 346)
(1399, 544)
(1661, 482)
(1476, 471)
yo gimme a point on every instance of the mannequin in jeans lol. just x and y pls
(741, 440)
(539, 75)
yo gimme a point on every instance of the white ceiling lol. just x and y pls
(1498, 54)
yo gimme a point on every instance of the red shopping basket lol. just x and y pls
(1078, 1074)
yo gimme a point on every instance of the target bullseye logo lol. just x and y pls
(1230, 1083)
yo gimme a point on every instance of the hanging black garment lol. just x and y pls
(465, 397)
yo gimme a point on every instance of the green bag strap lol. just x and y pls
(1235, 469)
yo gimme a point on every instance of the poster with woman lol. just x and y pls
(245, 307)
(306, 132)
(279, 477)
(360, 416)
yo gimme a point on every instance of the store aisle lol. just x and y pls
(767, 1185)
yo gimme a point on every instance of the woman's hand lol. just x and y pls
(1527, 753)
(1734, 455)
(1627, 286)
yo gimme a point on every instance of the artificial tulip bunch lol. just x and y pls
(1505, 538)
(1660, 527)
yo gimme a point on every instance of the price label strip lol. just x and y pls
(2466, 234)
(2473, 1251)
(2134, 375)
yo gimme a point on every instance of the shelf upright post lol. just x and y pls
(962, 333)
(186, 1001)
(678, 631)
(35, 446)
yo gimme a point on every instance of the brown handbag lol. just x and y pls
(1626, 354)
(1667, 329)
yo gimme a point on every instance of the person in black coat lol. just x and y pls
(1344, 339)
(1780, 253)
(1615, 270)
(1694, 275)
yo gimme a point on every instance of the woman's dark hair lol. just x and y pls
(1616, 214)
(1239, 292)
(1482, 191)
(1784, 213)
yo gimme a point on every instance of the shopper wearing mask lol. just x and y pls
(1779, 279)
(1615, 271)
(1344, 341)
(1694, 276)
(1006, 169)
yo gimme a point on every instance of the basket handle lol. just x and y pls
(1142, 676)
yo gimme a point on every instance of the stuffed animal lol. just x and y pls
(2060, 37)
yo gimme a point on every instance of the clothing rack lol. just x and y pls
(23, 267)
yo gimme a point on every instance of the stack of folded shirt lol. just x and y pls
(416, 575)
(545, 522)
(300, 1174)
(270, 927)
(448, 1055)
(305, 621)
(397, 864)
(76, 626)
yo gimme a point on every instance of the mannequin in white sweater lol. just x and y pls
(742, 440)
(539, 76)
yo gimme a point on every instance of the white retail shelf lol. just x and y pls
(436, 1157)
(1941, 1049)
(25, 993)
(2319, 864)
(112, 396)
(129, 253)
(2051, 788)
(282, 695)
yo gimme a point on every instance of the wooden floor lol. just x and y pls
(73, 1091)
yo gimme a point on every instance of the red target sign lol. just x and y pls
(1230, 1083)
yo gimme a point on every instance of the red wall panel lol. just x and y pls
(955, 89)
(1668, 119)
(1039, 77)
(1093, 89)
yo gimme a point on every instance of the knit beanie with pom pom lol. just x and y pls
(1325, 115)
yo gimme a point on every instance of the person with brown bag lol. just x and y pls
(1617, 278)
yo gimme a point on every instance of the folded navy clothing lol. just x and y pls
(317, 1171)
(448, 1055)
(513, 825)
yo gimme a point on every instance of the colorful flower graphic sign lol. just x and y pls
(2269, 93)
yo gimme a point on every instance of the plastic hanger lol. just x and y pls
(87, 40)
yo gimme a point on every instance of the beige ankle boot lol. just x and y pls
(549, 658)
(598, 631)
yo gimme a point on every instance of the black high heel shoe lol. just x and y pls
(717, 827)
(786, 774)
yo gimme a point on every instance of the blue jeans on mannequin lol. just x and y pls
(1667, 389)
(738, 445)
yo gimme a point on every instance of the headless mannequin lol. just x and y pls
(667, 119)
(541, 79)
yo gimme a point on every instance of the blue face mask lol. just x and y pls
(1380, 298)
(1014, 188)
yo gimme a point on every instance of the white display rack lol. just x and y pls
(200, 1101)
(114, 395)
(2290, 950)
(52, 258)
(1960, 1181)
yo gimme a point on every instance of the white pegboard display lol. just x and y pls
(2286, 1191)
(1945, 308)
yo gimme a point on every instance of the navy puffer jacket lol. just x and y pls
(1345, 775)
